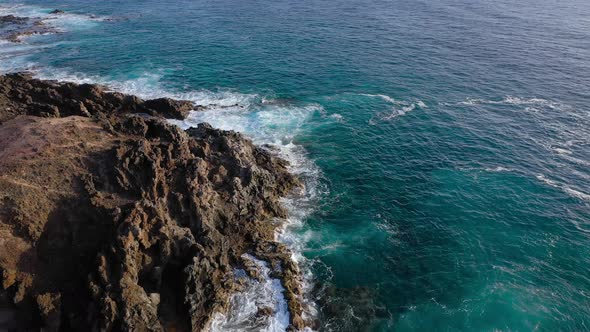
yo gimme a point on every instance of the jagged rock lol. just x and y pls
(21, 94)
(169, 108)
(57, 11)
(115, 221)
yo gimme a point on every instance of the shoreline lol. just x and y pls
(67, 100)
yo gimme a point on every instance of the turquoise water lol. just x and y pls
(445, 144)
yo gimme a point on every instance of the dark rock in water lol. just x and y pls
(11, 19)
(114, 221)
(15, 27)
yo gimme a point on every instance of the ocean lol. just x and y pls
(444, 145)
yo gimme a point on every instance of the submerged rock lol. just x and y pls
(114, 221)
(11, 19)
(13, 28)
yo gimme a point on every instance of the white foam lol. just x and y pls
(146, 85)
(398, 112)
(565, 188)
(562, 151)
(406, 107)
(531, 103)
(70, 22)
(544, 179)
(572, 193)
(384, 97)
(62, 22)
(575, 160)
(244, 306)
(577, 194)
(498, 169)
(399, 108)
(337, 117)
(524, 101)
(22, 10)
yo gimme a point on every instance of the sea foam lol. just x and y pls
(244, 306)
(529, 103)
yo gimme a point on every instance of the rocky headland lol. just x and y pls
(113, 219)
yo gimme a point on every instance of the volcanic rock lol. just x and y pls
(112, 220)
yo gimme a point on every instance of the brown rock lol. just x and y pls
(21, 94)
(115, 221)
(265, 312)
(50, 310)
(168, 108)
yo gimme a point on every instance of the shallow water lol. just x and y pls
(445, 145)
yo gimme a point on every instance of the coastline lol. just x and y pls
(163, 221)
(443, 149)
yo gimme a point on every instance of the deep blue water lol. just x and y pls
(445, 144)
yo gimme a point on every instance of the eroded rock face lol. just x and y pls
(115, 221)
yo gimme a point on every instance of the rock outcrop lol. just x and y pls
(21, 94)
(112, 219)
(12, 28)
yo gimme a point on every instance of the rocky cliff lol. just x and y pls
(112, 219)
